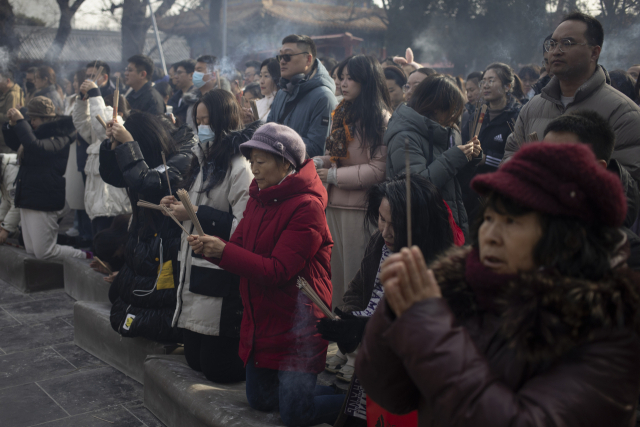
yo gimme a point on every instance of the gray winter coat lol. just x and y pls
(433, 154)
(595, 94)
(311, 117)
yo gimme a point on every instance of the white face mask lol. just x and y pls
(198, 79)
(205, 133)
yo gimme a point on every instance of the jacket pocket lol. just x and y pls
(212, 282)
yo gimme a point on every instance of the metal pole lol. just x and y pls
(155, 30)
(224, 28)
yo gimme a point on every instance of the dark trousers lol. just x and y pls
(84, 225)
(296, 395)
(100, 223)
(216, 357)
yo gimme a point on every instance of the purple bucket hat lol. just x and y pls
(279, 140)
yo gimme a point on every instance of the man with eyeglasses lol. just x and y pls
(307, 98)
(137, 76)
(580, 83)
(183, 78)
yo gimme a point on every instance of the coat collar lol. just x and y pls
(552, 92)
(544, 315)
(62, 127)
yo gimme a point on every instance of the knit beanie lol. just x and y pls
(559, 180)
(41, 106)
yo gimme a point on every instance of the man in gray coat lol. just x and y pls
(579, 83)
(306, 99)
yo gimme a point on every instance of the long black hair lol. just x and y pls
(110, 241)
(567, 246)
(368, 111)
(152, 137)
(225, 117)
(431, 230)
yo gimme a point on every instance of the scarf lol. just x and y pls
(487, 285)
(378, 290)
(341, 132)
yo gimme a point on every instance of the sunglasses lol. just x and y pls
(287, 56)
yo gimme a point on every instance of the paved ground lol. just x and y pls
(45, 380)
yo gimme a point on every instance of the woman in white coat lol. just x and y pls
(209, 308)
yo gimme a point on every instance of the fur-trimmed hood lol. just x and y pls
(544, 315)
(61, 127)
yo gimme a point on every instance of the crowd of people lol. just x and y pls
(477, 238)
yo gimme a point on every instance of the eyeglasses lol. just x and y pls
(406, 88)
(251, 75)
(287, 56)
(564, 45)
(488, 83)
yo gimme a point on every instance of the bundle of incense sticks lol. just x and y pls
(254, 108)
(476, 114)
(102, 264)
(186, 202)
(116, 99)
(149, 205)
(306, 289)
(166, 170)
(101, 121)
(533, 136)
(480, 120)
(407, 168)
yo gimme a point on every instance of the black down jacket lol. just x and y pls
(41, 180)
(142, 307)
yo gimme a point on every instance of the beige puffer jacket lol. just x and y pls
(9, 214)
(596, 95)
(356, 173)
(100, 199)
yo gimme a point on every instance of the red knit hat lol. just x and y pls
(559, 179)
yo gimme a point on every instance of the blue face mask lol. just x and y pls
(205, 133)
(198, 79)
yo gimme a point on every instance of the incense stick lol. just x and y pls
(254, 108)
(168, 212)
(164, 209)
(102, 264)
(480, 120)
(188, 206)
(149, 205)
(533, 136)
(306, 289)
(166, 170)
(98, 74)
(116, 99)
(101, 121)
(407, 168)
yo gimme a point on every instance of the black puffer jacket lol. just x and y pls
(142, 307)
(41, 180)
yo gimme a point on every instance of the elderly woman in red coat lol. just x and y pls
(282, 236)
(535, 324)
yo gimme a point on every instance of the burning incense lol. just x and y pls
(533, 136)
(166, 170)
(407, 168)
(188, 206)
(101, 121)
(98, 74)
(480, 120)
(306, 289)
(254, 108)
(116, 99)
(217, 74)
(102, 264)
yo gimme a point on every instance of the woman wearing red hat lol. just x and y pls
(535, 324)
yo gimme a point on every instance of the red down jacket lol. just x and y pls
(283, 235)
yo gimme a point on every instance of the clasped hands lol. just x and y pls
(14, 115)
(471, 149)
(407, 280)
(209, 246)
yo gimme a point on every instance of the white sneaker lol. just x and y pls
(334, 364)
(346, 373)
(72, 232)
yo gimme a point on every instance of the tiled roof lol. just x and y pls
(88, 45)
(342, 18)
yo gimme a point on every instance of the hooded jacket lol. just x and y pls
(100, 198)
(52, 93)
(313, 100)
(9, 213)
(209, 300)
(144, 291)
(595, 94)
(9, 100)
(433, 154)
(540, 350)
(41, 183)
(283, 236)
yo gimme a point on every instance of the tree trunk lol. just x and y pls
(134, 27)
(215, 29)
(8, 37)
(64, 28)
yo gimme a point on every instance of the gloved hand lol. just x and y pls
(346, 331)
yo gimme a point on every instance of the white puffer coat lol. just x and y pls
(100, 199)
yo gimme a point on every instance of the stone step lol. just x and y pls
(94, 334)
(182, 397)
(82, 283)
(27, 273)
